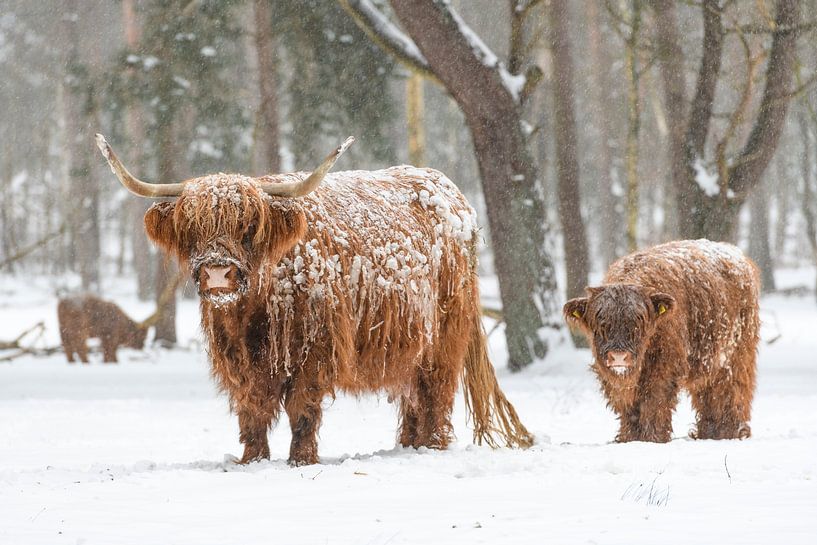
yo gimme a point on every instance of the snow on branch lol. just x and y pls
(513, 83)
(386, 34)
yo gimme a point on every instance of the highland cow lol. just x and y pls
(678, 315)
(82, 317)
(366, 282)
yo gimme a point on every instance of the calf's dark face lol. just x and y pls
(224, 241)
(619, 320)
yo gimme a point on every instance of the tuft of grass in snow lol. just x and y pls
(652, 493)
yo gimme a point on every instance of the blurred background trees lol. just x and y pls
(579, 130)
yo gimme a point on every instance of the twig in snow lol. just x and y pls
(726, 467)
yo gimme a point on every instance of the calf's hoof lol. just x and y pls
(743, 431)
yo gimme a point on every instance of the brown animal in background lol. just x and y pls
(365, 283)
(86, 316)
(678, 315)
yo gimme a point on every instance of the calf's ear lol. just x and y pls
(661, 303)
(574, 311)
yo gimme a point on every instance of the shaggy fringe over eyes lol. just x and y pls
(222, 206)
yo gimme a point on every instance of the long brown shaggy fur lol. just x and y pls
(686, 316)
(87, 316)
(367, 284)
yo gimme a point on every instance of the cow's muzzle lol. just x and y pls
(220, 279)
(619, 362)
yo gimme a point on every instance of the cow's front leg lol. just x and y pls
(303, 405)
(254, 424)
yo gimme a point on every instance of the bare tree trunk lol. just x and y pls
(671, 65)
(84, 193)
(633, 124)
(567, 162)
(783, 198)
(809, 174)
(689, 193)
(715, 216)
(6, 209)
(165, 268)
(415, 120)
(269, 132)
(136, 208)
(609, 234)
(759, 249)
(515, 207)
(166, 272)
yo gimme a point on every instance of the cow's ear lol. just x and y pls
(287, 225)
(662, 303)
(159, 225)
(574, 311)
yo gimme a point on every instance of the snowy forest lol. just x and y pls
(580, 131)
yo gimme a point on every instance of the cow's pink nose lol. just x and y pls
(616, 358)
(217, 277)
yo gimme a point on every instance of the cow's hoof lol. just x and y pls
(298, 462)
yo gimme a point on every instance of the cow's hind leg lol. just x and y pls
(437, 388)
(409, 423)
(439, 379)
(724, 403)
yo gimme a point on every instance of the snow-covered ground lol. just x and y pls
(133, 453)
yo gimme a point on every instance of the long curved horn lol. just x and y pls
(304, 187)
(131, 183)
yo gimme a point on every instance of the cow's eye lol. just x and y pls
(249, 234)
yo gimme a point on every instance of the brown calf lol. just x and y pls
(84, 316)
(678, 315)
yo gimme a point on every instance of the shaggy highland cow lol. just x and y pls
(82, 317)
(364, 283)
(678, 315)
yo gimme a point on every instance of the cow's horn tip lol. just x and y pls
(346, 143)
(101, 143)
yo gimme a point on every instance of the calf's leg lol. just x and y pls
(724, 403)
(82, 350)
(649, 418)
(108, 350)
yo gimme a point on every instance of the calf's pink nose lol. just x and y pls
(216, 277)
(616, 358)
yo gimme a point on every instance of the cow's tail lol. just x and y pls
(494, 418)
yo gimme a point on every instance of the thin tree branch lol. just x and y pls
(20, 254)
(386, 35)
(773, 29)
(763, 139)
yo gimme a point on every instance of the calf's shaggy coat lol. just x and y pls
(82, 317)
(678, 315)
(366, 283)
